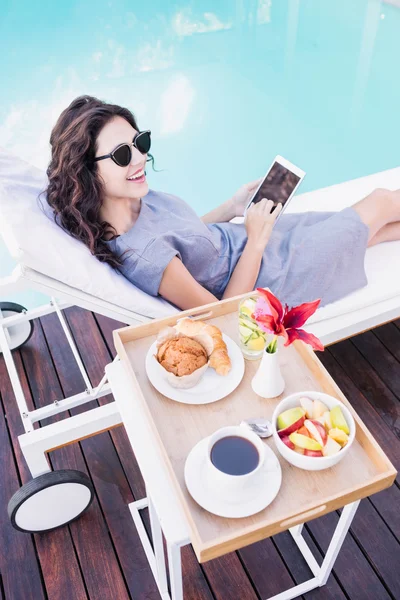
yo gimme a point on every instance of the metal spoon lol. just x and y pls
(261, 427)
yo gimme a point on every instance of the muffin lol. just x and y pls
(182, 356)
(182, 359)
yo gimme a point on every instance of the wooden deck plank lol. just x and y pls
(240, 578)
(387, 504)
(255, 558)
(253, 563)
(103, 463)
(94, 363)
(352, 569)
(367, 380)
(228, 578)
(195, 582)
(120, 439)
(265, 585)
(389, 335)
(382, 548)
(390, 444)
(386, 501)
(107, 326)
(16, 548)
(377, 539)
(98, 561)
(366, 566)
(95, 368)
(52, 548)
(381, 356)
(378, 588)
(334, 362)
(300, 570)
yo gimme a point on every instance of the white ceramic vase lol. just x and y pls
(268, 381)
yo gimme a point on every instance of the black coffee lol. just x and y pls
(234, 455)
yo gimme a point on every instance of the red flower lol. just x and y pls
(284, 321)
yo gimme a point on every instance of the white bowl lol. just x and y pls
(312, 463)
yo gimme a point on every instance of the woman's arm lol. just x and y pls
(222, 214)
(234, 207)
(259, 222)
(246, 271)
(179, 286)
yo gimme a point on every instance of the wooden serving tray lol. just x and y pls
(304, 495)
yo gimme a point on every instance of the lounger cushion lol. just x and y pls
(36, 241)
(382, 262)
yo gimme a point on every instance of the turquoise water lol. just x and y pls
(224, 86)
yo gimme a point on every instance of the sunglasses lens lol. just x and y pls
(143, 142)
(122, 155)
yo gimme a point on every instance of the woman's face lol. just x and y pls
(115, 178)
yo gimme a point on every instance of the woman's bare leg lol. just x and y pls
(388, 233)
(378, 209)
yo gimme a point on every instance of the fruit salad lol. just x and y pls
(252, 338)
(312, 429)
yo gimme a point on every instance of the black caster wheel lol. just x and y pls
(20, 333)
(50, 501)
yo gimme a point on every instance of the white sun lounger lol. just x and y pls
(52, 262)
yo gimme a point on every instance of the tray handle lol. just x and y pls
(302, 517)
(198, 316)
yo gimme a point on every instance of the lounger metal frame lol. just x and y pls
(36, 443)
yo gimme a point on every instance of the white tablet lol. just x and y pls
(279, 184)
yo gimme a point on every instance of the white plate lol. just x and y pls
(211, 387)
(255, 497)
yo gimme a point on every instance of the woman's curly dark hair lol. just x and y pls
(75, 189)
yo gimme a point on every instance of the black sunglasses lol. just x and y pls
(122, 154)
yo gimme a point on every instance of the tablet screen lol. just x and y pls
(278, 185)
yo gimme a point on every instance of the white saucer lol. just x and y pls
(211, 387)
(256, 496)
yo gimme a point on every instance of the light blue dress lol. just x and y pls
(310, 255)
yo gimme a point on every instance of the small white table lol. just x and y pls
(166, 513)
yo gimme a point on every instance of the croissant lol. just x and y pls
(219, 359)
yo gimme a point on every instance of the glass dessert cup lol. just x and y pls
(252, 339)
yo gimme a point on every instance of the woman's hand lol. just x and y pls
(234, 207)
(241, 198)
(260, 221)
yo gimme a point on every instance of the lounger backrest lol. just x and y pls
(35, 241)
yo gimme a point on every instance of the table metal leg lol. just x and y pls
(341, 530)
(296, 530)
(321, 573)
(158, 547)
(159, 574)
(306, 552)
(154, 550)
(156, 557)
(175, 571)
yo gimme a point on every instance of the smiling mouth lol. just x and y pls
(137, 177)
(137, 173)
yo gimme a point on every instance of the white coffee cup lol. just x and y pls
(232, 484)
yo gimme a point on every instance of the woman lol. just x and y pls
(99, 194)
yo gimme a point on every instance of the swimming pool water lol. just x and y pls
(224, 86)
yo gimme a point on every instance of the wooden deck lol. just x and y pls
(99, 557)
